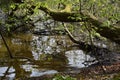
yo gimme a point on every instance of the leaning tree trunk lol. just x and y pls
(109, 31)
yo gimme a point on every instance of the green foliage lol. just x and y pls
(5, 4)
(108, 10)
(12, 6)
(105, 9)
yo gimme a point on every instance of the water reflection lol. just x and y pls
(52, 54)
(77, 58)
(19, 46)
(37, 72)
(48, 45)
(4, 69)
(48, 51)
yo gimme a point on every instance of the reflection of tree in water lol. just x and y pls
(19, 71)
(49, 45)
(6, 72)
(15, 66)
(17, 48)
(19, 45)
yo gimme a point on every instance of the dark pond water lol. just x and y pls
(51, 54)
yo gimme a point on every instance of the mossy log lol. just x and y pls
(62, 16)
(109, 31)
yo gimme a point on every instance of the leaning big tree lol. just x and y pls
(103, 27)
(103, 15)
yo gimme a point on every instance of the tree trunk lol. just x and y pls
(109, 31)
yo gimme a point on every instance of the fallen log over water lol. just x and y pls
(111, 32)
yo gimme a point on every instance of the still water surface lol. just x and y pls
(51, 54)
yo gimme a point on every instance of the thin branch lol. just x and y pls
(83, 45)
(6, 72)
(89, 31)
(9, 52)
(80, 4)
